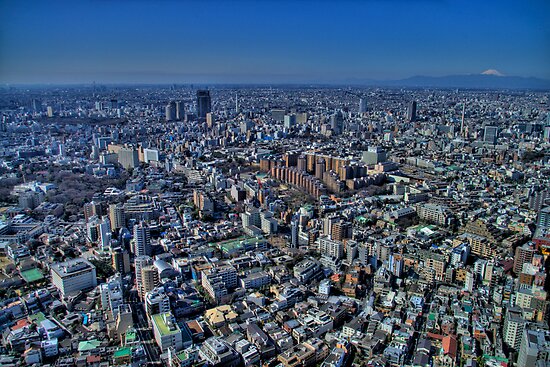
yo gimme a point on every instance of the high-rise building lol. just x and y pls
(149, 279)
(73, 276)
(90, 209)
(167, 332)
(490, 134)
(141, 262)
(374, 155)
(120, 260)
(469, 282)
(411, 112)
(204, 104)
(341, 230)
(142, 239)
(128, 157)
(524, 254)
(534, 349)
(104, 229)
(289, 121)
(117, 216)
(180, 110)
(295, 229)
(328, 247)
(513, 328)
(171, 111)
(544, 218)
(337, 123)
(328, 223)
(302, 163)
(157, 301)
(320, 167)
(362, 105)
(537, 197)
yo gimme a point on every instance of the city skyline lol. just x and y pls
(269, 42)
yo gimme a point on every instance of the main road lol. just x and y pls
(142, 328)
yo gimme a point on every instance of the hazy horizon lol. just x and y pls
(268, 42)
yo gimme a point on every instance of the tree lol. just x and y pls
(103, 268)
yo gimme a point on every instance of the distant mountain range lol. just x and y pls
(490, 79)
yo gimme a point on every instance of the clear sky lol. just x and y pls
(232, 41)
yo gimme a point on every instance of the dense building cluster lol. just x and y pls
(287, 227)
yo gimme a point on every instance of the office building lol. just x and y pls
(170, 111)
(490, 135)
(167, 332)
(337, 123)
(535, 349)
(117, 216)
(411, 111)
(204, 104)
(73, 276)
(142, 239)
(180, 110)
(362, 105)
(104, 230)
(128, 157)
(374, 155)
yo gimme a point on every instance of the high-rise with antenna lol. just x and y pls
(462, 122)
(236, 103)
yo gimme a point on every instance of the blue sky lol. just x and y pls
(269, 41)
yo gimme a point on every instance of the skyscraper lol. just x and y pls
(171, 111)
(142, 239)
(337, 123)
(204, 104)
(411, 112)
(141, 262)
(180, 110)
(117, 216)
(362, 105)
(490, 134)
(294, 229)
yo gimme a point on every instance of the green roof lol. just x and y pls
(161, 325)
(88, 345)
(130, 336)
(497, 358)
(37, 317)
(230, 245)
(122, 352)
(183, 356)
(32, 275)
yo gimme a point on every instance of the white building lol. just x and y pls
(167, 332)
(73, 276)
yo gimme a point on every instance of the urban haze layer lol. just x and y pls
(274, 226)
